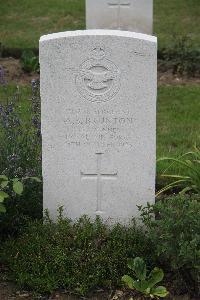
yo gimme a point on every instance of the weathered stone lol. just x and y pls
(98, 90)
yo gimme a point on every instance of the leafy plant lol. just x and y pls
(20, 150)
(143, 282)
(173, 227)
(189, 177)
(17, 186)
(79, 256)
(30, 62)
(20, 133)
(182, 56)
(88, 254)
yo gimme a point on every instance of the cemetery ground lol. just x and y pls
(86, 260)
(178, 130)
(21, 28)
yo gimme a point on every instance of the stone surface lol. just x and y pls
(132, 15)
(98, 90)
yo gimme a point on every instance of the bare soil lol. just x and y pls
(15, 74)
(8, 291)
(168, 78)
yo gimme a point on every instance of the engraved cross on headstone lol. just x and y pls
(119, 4)
(99, 176)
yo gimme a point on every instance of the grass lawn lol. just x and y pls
(22, 22)
(178, 126)
(176, 17)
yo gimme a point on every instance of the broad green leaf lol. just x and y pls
(3, 177)
(128, 280)
(155, 276)
(2, 208)
(141, 286)
(140, 268)
(18, 187)
(160, 291)
(3, 196)
(4, 184)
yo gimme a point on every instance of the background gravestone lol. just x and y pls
(98, 90)
(132, 15)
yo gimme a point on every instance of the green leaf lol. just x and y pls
(141, 286)
(175, 176)
(18, 187)
(2, 208)
(4, 184)
(3, 196)
(140, 268)
(186, 189)
(4, 177)
(160, 291)
(128, 280)
(131, 264)
(155, 276)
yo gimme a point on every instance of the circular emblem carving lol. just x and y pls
(98, 79)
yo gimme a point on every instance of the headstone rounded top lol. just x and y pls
(98, 104)
(99, 32)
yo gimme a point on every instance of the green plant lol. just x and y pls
(20, 152)
(173, 227)
(143, 282)
(29, 61)
(20, 134)
(182, 56)
(79, 256)
(88, 254)
(8, 186)
(188, 178)
(17, 187)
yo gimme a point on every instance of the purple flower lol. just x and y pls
(1, 109)
(35, 86)
(10, 108)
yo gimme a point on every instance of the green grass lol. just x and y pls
(22, 22)
(20, 95)
(178, 125)
(176, 17)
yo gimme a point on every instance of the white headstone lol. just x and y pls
(98, 90)
(132, 15)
